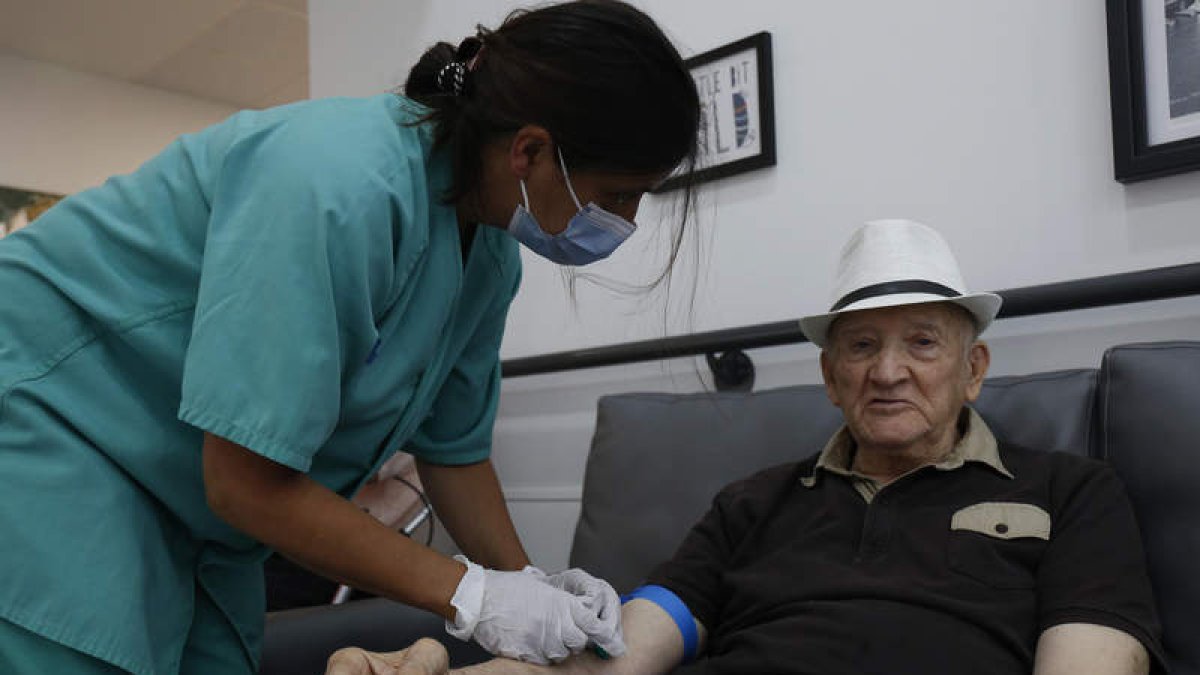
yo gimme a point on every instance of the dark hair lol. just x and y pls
(599, 75)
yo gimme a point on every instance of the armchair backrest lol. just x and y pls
(657, 460)
(1149, 409)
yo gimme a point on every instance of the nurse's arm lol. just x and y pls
(317, 528)
(470, 505)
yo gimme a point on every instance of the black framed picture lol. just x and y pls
(737, 102)
(19, 207)
(1154, 71)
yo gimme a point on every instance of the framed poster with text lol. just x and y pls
(737, 104)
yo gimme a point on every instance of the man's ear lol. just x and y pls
(529, 145)
(979, 357)
(828, 376)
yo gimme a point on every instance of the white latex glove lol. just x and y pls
(519, 615)
(601, 599)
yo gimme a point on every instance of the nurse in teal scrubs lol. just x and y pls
(202, 360)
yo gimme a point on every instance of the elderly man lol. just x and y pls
(914, 542)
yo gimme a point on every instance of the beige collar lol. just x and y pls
(976, 445)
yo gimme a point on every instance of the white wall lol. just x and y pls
(62, 130)
(988, 121)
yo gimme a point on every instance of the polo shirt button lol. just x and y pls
(1001, 528)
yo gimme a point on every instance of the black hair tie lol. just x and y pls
(452, 78)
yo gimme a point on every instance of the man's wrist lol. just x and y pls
(502, 666)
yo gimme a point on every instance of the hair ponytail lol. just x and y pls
(422, 83)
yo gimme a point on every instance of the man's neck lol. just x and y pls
(884, 464)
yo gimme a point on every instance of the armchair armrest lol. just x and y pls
(299, 641)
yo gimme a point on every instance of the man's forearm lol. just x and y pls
(651, 637)
(510, 667)
(1072, 648)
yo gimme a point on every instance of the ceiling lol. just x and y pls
(245, 53)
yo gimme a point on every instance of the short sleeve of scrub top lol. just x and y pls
(291, 264)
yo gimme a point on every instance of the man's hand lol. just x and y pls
(424, 657)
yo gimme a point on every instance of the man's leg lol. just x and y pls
(26, 653)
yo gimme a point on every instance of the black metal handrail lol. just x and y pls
(1114, 289)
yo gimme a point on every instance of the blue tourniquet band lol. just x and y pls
(672, 605)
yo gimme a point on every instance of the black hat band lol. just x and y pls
(893, 288)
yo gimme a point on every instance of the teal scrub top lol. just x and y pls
(287, 279)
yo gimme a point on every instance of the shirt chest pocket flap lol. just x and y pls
(1006, 555)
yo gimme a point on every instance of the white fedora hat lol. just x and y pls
(897, 262)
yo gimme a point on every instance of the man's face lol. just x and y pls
(902, 374)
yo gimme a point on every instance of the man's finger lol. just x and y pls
(424, 657)
(355, 661)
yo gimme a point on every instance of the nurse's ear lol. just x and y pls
(530, 145)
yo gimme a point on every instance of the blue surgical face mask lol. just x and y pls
(592, 234)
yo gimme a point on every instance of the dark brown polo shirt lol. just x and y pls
(955, 567)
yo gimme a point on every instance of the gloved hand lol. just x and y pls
(599, 597)
(519, 615)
